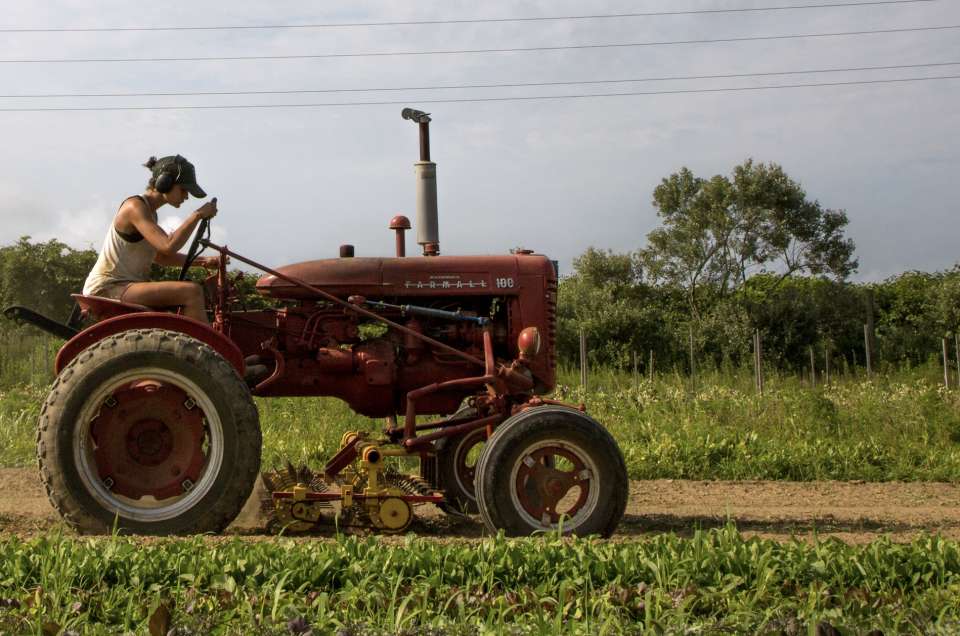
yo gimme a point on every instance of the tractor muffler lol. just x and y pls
(425, 177)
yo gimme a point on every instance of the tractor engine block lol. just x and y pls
(324, 349)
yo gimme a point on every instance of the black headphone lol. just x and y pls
(165, 180)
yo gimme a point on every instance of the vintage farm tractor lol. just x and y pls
(150, 425)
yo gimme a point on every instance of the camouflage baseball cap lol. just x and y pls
(183, 170)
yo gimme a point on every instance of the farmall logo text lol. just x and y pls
(445, 282)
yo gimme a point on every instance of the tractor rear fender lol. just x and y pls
(220, 343)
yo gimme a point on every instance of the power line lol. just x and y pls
(485, 99)
(476, 86)
(477, 21)
(511, 50)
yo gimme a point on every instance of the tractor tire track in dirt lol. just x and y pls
(854, 512)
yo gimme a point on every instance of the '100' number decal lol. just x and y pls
(505, 283)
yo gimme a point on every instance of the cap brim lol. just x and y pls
(194, 190)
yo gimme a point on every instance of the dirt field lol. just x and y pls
(853, 512)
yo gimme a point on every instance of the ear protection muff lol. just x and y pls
(165, 180)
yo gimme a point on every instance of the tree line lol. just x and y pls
(743, 254)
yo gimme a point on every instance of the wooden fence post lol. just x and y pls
(946, 365)
(693, 367)
(871, 332)
(583, 359)
(827, 367)
(866, 340)
(636, 380)
(813, 369)
(651, 365)
(759, 364)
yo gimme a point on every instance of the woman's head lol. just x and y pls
(170, 172)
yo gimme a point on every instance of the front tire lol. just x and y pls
(552, 468)
(150, 431)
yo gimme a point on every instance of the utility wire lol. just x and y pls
(485, 99)
(511, 50)
(474, 86)
(478, 21)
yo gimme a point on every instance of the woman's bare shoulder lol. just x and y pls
(136, 204)
(132, 211)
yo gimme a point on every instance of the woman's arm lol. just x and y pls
(167, 245)
(177, 260)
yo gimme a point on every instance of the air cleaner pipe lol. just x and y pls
(435, 313)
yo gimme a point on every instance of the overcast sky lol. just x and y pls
(556, 176)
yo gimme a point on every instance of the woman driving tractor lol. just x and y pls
(135, 241)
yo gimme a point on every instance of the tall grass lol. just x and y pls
(903, 425)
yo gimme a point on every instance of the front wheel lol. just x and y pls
(552, 468)
(149, 431)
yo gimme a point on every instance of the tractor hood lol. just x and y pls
(391, 277)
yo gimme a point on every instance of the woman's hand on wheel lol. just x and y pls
(208, 262)
(208, 210)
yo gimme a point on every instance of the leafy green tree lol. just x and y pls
(41, 276)
(606, 297)
(718, 233)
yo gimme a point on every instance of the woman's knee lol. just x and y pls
(194, 293)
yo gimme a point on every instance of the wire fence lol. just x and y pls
(27, 358)
(814, 375)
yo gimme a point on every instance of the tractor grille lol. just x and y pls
(552, 323)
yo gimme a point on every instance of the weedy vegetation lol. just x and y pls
(902, 426)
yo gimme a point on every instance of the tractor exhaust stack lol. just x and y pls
(425, 177)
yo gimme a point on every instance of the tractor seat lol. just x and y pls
(97, 308)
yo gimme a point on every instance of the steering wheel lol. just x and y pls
(195, 250)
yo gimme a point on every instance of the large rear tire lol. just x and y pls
(152, 432)
(552, 468)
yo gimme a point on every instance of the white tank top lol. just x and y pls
(123, 259)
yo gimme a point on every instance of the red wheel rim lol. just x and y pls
(541, 488)
(149, 441)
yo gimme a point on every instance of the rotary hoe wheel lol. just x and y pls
(552, 468)
(295, 516)
(367, 494)
(149, 431)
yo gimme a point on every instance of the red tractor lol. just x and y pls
(151, 427)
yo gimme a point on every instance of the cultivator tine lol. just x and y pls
(410, 484)
(292, 473)
(304, 474)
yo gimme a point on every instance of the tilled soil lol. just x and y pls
(854, 512)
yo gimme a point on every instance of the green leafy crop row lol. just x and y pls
(716, 582)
